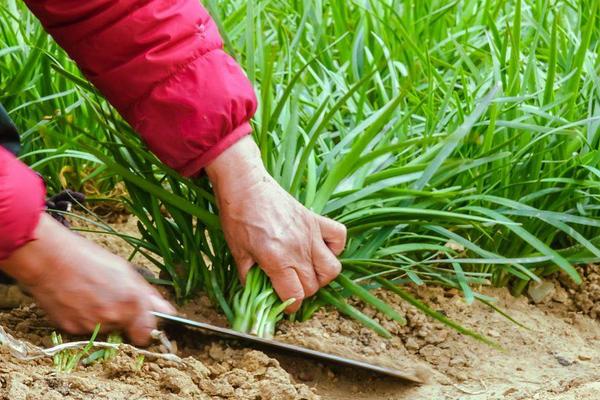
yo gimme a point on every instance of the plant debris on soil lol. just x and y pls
(556, 358)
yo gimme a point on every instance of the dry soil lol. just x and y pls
(556, 357)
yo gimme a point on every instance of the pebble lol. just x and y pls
(563, 361)
(412, 344)
(584, 357)
(460, 376)
(456, 361)
(539, 292)
(306, 375)
(155, 368)
(493, 333)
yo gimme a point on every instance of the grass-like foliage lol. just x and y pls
(67, 361)
(458, 141)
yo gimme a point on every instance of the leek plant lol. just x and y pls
(458, 142)
(45, 104)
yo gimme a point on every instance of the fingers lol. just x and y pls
(143, 323)
(326, 265)
(141, 327)
(243, 263)
(333, 233)
(287, 285)
(308, 279)
(159, 304)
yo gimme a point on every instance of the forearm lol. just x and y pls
(162, 65)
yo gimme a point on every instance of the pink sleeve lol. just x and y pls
(161, 64)
(22, 196)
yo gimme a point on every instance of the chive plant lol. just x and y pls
(457, 141)
(44, 104)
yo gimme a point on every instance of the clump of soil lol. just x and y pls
(585, 297)
(249, 374)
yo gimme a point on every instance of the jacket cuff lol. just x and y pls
(22, 201)
(194, 167)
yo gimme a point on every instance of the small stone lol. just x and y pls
(306, 375)
(563, 361)
(456, 361)
(411, 344)
(155, 368)
(584, 357)
(460, 376)
(541, 291)
(493, 333)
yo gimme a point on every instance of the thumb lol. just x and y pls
(161, 305)
(141, 327)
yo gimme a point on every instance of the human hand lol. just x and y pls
(79, 284)
(265, 225)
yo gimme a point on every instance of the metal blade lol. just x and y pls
(413, 374)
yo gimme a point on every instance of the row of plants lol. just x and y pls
(458, 142)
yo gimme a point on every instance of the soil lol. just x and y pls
(555, 358)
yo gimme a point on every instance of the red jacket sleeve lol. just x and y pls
(22, 196)
(161, 64)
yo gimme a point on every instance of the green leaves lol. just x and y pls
(385, 117)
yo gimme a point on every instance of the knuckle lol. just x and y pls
(331, 272)
(312, 289)
(287, 292)
(271, 250)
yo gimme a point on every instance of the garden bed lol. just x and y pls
(555, 359)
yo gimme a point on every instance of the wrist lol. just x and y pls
(237, 168)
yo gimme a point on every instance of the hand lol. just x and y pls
(265, 225)
(79, 284)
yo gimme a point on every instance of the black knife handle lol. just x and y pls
(9, 135)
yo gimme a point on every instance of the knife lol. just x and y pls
(412, 374)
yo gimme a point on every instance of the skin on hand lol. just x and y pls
(265, 225)
(79, 284)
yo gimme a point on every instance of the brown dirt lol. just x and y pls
(223, 372)
(585, 298)
(556, 358)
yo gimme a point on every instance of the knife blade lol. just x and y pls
(412, 374)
